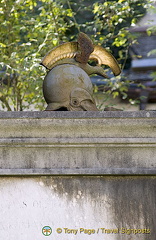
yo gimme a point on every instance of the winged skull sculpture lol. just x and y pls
(72, 58)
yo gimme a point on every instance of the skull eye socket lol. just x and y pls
(75, 102)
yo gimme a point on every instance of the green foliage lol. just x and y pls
(112, 22)
(30, 28)
(150, 31)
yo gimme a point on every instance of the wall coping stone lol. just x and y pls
(79, 114)
(77, 143)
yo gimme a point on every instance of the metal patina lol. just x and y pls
(67, 85)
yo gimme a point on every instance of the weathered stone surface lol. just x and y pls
(75, 171)
(78, 143)
(111, 203)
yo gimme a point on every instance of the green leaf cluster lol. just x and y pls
(29, 29)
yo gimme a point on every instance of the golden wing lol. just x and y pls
(72, 49)
(104, 57)
(65, 50)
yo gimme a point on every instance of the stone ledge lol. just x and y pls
(79, 172)
(78, 143)
(81, 114)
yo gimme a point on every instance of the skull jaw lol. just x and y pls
(86, 105)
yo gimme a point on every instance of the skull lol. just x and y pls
(68, 87)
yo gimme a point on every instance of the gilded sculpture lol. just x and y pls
(67, 85)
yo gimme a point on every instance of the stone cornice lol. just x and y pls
(69, 143)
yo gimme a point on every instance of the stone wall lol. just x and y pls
(87, 175)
